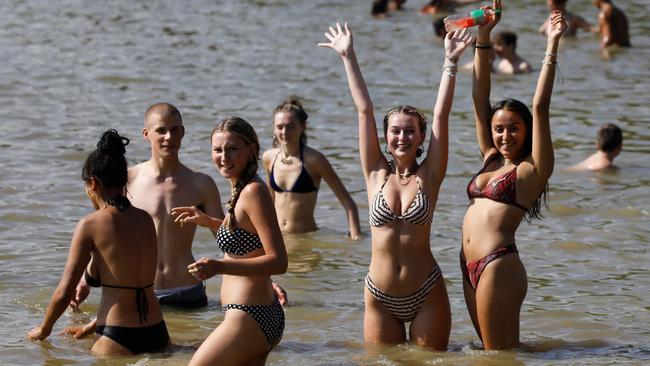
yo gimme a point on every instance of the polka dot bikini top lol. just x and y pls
(238, 241)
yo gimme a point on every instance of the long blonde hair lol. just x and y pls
(243, 129)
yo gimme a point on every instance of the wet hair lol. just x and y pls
(507, 38)
(515, 106)
(410, 111)
(293, 106)
(108, 166)
(379, 7)
(165, 110)
(609, 137)
(559, 2)
(243, 129)
(439, 27)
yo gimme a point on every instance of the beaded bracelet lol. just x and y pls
(450, 69)
(549, 63)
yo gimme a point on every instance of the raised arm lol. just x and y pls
(371, 157)
(332, 179)
(437, 154)
(481, 83)
(542, 151)
(78, 258)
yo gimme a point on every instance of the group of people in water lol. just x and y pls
(612, 27)
(137, 244)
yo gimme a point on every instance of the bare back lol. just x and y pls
(124, 254)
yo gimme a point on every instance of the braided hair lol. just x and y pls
(293, 106)
(108, 166)
(243, 129)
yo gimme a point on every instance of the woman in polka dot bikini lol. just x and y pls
(253, 251)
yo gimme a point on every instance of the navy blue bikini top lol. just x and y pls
(238, 241)
(140, 297)
(304, 183)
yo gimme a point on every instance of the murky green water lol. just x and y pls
(71, 69)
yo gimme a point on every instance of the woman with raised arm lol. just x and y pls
(115, 248)
(253, 251)
(294, 172)
(404, 283)
(512, 184)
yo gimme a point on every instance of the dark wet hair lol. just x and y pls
(609, 138)
(293, 106)
(515, 106)
(243, 129)
(439, 27)
(108, 166)
(379, 7)
(410, 111)
(507, 38)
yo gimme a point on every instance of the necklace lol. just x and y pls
(405, 178)
(286, 160)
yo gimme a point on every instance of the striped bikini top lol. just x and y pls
(420, 212)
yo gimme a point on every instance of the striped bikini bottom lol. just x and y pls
(404, 308)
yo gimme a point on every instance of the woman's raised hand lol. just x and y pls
(556, 25)
(340, 39)
(457, 41)
(497, 8)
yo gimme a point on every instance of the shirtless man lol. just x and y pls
(609, 143)
(613, 25)
(574, 21)
(509, 61)
(157, 186)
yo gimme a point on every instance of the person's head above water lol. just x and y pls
(289, 122)
(609, 139)
(105, 168)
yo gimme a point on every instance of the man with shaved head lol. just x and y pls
(158, 185)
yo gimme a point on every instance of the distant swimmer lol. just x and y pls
(382, 8)
(444, 6)
(609, 143)
(509, 61)
(613, 25)
(574, 21)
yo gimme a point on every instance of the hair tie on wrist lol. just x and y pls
(452, 59)
(482, 46)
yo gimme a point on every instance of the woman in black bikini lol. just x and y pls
(117, 244)
(295, 170)
(253, 251)
(404, 283)
(517, 163)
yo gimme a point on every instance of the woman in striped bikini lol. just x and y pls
(404, 283)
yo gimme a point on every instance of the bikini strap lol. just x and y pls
(140, 300)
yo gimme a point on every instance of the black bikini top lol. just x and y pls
(304, 183)
(140, 297)
(238, 241)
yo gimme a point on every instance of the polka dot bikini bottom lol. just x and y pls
(270, 318)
